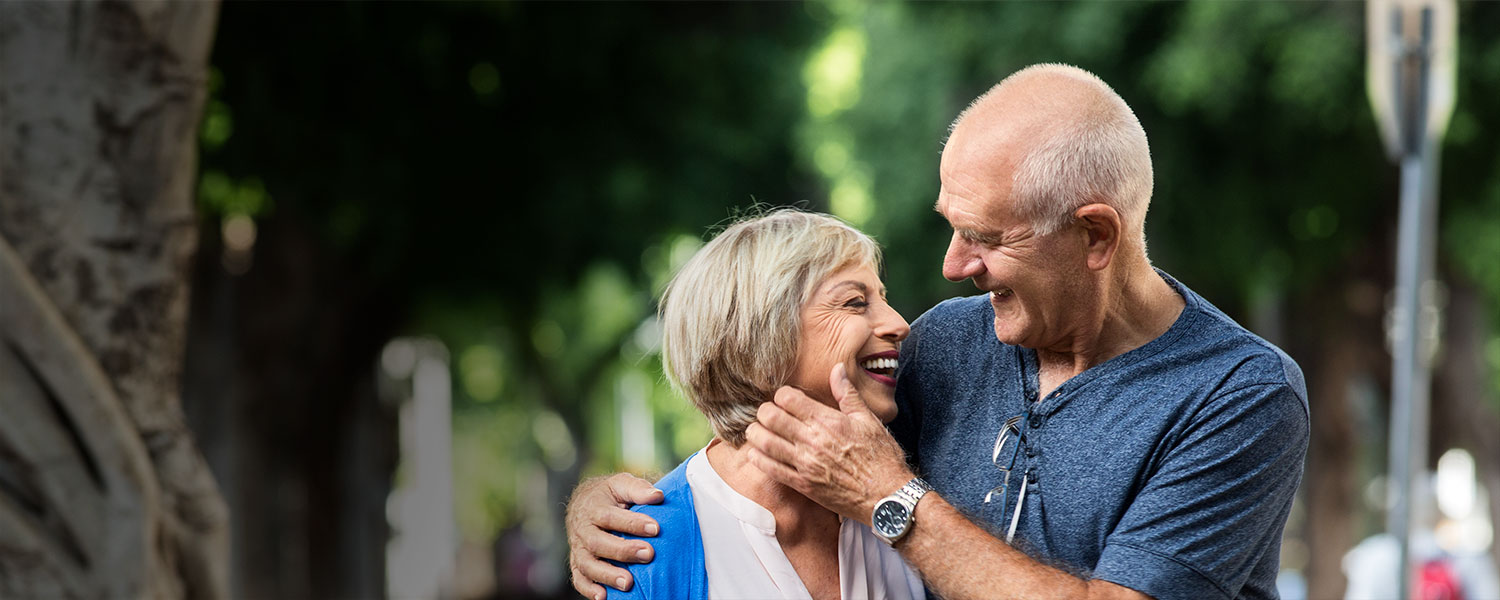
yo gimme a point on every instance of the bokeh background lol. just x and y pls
(432, 235)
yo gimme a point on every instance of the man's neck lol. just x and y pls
(1137, 307)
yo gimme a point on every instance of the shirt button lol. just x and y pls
(1030, 452)
(1036, 421)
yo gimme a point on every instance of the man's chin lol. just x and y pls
(1006, 335)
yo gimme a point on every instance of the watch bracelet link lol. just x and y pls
(913, 491)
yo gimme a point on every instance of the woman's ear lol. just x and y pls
(1103, 226)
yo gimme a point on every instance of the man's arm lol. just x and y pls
(846, 460)
(598, 507)
(961, 560)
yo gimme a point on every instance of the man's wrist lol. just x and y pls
(880, 491)
(894, 516)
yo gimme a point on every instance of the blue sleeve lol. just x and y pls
(677, 572)
(671, 572)
(1208, 515)
(641, 590)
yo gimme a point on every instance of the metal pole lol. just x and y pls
(1411, 376)
(1411, 350)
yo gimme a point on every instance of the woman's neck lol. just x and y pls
(798, 519)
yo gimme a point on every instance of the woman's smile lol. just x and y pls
(881, 366)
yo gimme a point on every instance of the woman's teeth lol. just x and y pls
(876, 364)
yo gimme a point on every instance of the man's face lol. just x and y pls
(1037, 284)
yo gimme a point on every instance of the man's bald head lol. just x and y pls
(1065, 139)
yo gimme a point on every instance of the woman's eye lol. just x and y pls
(856, 303)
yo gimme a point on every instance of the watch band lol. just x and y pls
(913, 491)
(906, 498)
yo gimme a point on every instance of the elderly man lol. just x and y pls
(1089, 428)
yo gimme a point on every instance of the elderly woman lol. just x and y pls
(775, 300)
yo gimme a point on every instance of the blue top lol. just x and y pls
(678, 570)
(1169, 469)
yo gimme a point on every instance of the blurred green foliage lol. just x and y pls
(524, 177)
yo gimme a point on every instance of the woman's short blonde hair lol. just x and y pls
(731, 317)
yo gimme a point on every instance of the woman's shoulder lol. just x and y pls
(677, 570)
(676, 504)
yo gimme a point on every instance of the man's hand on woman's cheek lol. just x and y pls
(842, 458)
(599, 507)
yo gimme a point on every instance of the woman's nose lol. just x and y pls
(892, 326)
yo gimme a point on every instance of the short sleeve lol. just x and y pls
(1216, 504)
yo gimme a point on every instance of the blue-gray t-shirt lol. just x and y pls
(1169, 469)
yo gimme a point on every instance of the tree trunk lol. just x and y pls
(1342, 346)
(281, 388)
(1462, 413)
(102, 491)
(1328, 484)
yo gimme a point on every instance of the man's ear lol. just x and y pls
(1103, 226)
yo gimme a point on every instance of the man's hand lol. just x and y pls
(599, 506)
(843, 459)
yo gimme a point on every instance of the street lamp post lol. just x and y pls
(1411, 74)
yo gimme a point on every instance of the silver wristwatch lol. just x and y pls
(893, 516)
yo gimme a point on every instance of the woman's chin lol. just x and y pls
(884, 408)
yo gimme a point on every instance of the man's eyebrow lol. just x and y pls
(978, 236)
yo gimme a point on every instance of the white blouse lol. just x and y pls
(744, 560)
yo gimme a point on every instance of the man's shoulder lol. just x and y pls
(1238, 356)
(956, 316)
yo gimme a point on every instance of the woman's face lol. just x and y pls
(848, 321)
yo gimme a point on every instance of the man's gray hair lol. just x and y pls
(731, 317)
(1100, 154)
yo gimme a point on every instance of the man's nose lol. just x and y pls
(961, 262)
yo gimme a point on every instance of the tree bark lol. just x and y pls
(102, 491)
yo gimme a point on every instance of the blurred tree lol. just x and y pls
(520, 178)
(1272, 197)
(497, 174)
(102, 491)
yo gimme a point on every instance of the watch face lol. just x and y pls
(890, 518)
